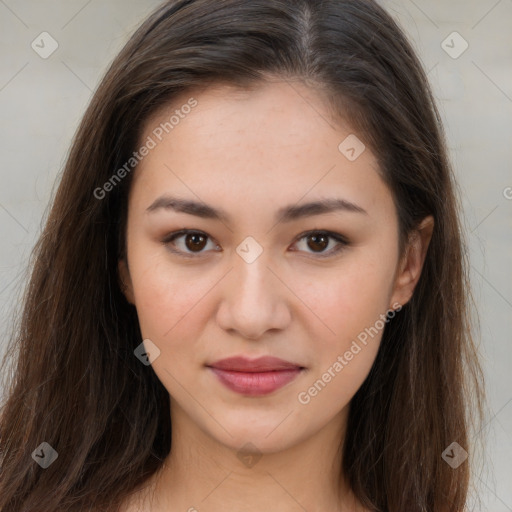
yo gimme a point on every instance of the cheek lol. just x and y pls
(350, 298)
(350, 304)
(343, 360)
(168, 299)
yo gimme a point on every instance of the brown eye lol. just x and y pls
(195, 241)
(318, 242)
(188, 243)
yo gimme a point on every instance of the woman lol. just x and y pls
(251, 290)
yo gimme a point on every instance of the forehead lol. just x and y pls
(276, 142)
(293, 109)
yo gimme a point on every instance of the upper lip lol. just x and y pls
(261, 364)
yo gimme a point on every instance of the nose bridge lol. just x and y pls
(253, 299)
(253, 280)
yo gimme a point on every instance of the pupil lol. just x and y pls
(316, 238)
(197, 241)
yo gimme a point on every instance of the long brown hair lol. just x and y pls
(75, 382)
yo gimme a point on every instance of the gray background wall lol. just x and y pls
(43, 99)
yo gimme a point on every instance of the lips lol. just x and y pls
(262, 364)
(255, 377)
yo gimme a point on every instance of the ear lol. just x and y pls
(125, 281)
(411, 264)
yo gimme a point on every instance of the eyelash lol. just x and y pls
(336, 236)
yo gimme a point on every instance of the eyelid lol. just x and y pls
(182, 232)
(338, 237)
(330, 234)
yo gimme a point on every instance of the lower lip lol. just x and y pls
(254, 383)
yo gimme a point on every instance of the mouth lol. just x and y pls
(255, 377)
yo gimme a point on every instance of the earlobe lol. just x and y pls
(411, 264)
(125, 281)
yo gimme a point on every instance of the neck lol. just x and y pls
(201, 473)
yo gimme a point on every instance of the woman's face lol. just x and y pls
(250, 280)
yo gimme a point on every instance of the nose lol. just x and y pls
(253, 301)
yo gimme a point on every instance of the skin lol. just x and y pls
(251, 153)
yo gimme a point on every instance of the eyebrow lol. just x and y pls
(286, 214)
